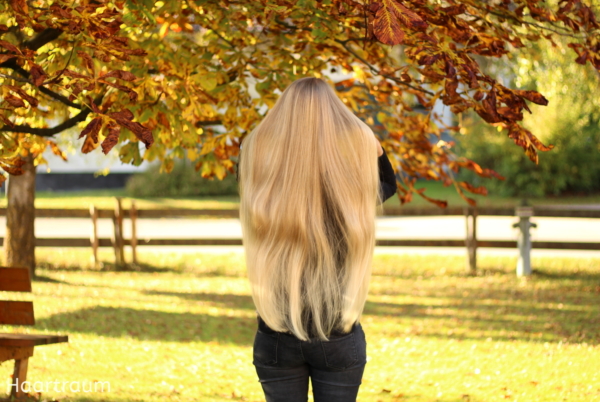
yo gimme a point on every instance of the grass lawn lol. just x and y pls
(104, 199)
(181, 329)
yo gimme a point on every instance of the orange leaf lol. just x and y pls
(162, 119)
(475, 190)
(439, 203)
(386, 26)
(56, 150)
(91, 133)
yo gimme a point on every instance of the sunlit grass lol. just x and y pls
(182, 329)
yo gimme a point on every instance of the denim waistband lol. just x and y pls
(263, 327)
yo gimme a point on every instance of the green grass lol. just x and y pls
(181, 329)
(105, 199)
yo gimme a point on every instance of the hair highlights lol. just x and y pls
(309, 189)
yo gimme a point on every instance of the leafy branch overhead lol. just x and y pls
(191, 78)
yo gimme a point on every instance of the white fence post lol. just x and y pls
(524, 240)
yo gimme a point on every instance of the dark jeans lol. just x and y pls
(284, 364)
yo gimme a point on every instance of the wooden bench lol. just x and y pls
(19, 347)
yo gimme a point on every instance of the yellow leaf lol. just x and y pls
(164, 29)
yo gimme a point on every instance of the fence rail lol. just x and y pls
(554, 211)
(471, 243)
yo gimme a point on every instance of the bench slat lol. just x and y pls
(16, 313)
(26, 340)
(15, 279)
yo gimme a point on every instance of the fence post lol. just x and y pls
(471, 239)
(133, 217)
(524, 239)
(94, 235)
(118, 233)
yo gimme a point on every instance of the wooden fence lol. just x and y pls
(471, 243)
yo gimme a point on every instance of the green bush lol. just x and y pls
(183, 181)
(570, 122)
(572, 167)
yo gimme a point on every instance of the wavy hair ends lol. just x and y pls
(309, 190)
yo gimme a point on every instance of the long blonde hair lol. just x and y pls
(309, 189)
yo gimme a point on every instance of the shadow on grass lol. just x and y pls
(47, 279)
(241, 302)
(218, 270)
(558, 310)
(147, 324)
(544, 309)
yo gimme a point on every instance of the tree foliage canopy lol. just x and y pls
(168, 74)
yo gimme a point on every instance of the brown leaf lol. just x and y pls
(93, 105)
(15, 171)
(89, 144)
(124, 117)
(132, 94)
(112, 138)
(386, 25)
(162, 119)
(14, 101)
(56, 150)
(408, 17)
(73, 74)
(92, 129)
(451, 96)
(532, 96)
(5, 56)
(142, 133)
(24, 95)
(429, 59)
(87, 60)
(6, 121)
(123, 75)
(12, 165)
(9, 46)
(124, 114)
(38, 76)
(469, 164)
(470, 201)
(537, 143)
(510, 114)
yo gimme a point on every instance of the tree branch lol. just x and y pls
(50, 131)
(24, 73)
(376, 71)
(12, 77)
(44, 37)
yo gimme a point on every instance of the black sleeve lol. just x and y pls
(387, 177)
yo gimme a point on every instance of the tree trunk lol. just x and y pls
(19, 243)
